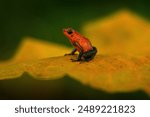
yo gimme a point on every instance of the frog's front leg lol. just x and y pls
(79, 57)
(80, 52)
(72, 52)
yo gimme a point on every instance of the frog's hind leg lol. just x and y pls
(90, 55)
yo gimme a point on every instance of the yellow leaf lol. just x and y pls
(121, 33)
(32, 49)
(111, 73)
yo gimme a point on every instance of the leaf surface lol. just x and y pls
(123, 32)
(110, 73)
(31, 49)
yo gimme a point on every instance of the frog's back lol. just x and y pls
(85, 44)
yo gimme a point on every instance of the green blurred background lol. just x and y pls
(44, 19)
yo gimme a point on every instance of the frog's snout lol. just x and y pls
(68, 30)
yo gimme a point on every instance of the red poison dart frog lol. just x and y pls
(81, 44)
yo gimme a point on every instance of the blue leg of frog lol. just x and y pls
(90, 54)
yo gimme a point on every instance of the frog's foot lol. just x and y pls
(82, 61)
(68, 54)
(74, 60)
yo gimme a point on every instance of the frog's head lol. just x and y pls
(69, 32)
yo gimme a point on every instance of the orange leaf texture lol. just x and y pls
(121, 33)
(31, 49)
(110, 73)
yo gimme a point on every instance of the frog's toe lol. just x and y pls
(74, 60)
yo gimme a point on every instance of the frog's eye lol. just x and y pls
(69, 31)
